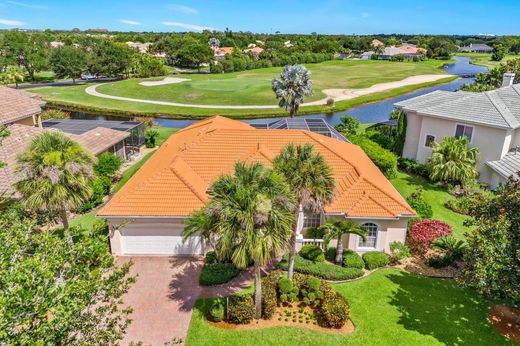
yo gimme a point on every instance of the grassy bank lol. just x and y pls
(485, 59)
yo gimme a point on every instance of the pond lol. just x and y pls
(367, 113)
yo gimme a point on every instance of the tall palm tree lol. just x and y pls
(453, 161)
(54, 174)
(250, 217)
(336, 229)
(292, 86)
(310, 178)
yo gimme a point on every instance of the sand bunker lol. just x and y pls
(167, 80)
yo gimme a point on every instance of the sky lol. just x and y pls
(465, 17)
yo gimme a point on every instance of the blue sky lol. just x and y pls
(288, 16)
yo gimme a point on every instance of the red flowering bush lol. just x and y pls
(424, 232)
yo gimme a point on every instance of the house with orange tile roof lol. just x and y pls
(220, 53)
(256, 51)
(147, 216)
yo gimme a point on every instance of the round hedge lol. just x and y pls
(353, 260)
(375, 259)
(312, 253)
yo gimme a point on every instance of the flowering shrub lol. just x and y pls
(424, 232)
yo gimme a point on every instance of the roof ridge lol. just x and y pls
(322, 142)
(365, 196)
(502, 109)
(178, 168)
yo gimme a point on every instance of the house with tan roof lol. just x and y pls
(20, 107)
(221, 52)
(147, 216)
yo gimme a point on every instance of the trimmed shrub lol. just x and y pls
(216, 312)
(330, 254)
(100, 188)
(217, 273)
(352, 260)
(285, 285)
(381, 139)
(322, 270)
(107, 165)
(424, 232)
(269, 294)
(417, 202)
(211, 258)
(333, 311)
(315, 233)
(312, 252)
(384, 159)
(399, 251)
(375, 259)
(412, 167)
(241, 309)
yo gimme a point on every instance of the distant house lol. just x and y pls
(20, 107)
(387, 53)
(56, 44)
(490, 120)
(220, 52)
(288, 44)
(256, 51)
(376, 43)
(476, 48)
(141, 47)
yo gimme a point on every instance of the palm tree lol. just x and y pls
(336, 229)
(54, 174)
(453, 161)
(292, 86)
(310, 178)
(249, 216)
(13, 75)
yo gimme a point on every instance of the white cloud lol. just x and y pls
(191, 27)
(26, 5)
(129, 22)
(9, 22)
(183, 9)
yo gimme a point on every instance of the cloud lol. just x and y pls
(129, 22)
(26, 5)
(191, 27)
(9, 22)
(183, 9)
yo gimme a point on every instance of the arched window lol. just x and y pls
(371, 238)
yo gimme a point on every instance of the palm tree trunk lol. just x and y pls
(64, 219)
(339, 250)
(258, 291)
(292, 254)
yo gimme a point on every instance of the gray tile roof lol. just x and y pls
(508, 165)
(496, 108)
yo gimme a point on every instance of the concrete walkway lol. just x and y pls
(335, 94)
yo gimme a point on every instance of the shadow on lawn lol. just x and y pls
(450, 314)
(184, 285)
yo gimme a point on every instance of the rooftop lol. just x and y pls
(17, 104)
(174, 181)
(78, 126)
(497, 108)
(507, 166)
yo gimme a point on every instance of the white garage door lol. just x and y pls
(158, 239)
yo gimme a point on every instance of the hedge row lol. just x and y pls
(322, 270)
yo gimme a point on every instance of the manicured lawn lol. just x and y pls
(389, 307)
(485, 59)
(243, 88)
(436, 197)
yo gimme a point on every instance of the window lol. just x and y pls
(311, 219)
(371, 238)
(429, 141)
(464, 131)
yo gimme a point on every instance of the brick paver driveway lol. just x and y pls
(162, 298)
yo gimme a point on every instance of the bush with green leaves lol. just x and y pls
(413, 167)
(333, 311)
(384, 159)
(417, 202)
(399, 251)
(315, 233)
(150, 137)
(330, 254)
(241, 309)
(217, 273)
(270, 294)
(352, 260)
(100, 188)
(211, 258)
(381, 139)
(216, 312)
(107, 165)
(311, 293)
(375, 259)
(288, 292)
(348, 126)
(312, 252)
(54, 114)
(451, 250)
(324, 270)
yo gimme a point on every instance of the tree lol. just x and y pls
(336, 229)
(12, 75)
(146, 65)
(310, 178)
(54, 174)
(110, 59)
(291, 87)
(499, 52)
(453, 161)
(348, 125)
(250, 215)
(68, 62)
(493, 248)
(194, 55)
(27, 50)
(400, 136)
(59, 288)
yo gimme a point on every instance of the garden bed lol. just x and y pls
(281, 319)
(503, 318)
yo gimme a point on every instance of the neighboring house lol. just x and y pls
(387, 53)
(20, 107)
(490, 120)
(56, 44)
(476, 48)
(220, 53)
(139, 46)
(147, 216)
(96, 141)
(256, 51)
(376, 43)
(288, 44)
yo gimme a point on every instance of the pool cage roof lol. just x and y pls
(320, 126)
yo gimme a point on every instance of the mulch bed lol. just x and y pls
(503, 318)
(418, 265)
(274, 322)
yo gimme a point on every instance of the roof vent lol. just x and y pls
(508, 79)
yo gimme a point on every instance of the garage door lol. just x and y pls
(158, 239)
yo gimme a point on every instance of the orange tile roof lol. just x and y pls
(174, 181)
(18, 104)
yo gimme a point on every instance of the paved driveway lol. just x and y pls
(162, 298)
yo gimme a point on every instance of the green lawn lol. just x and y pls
(436, 196)
(389, 307)
(485, 59)
(242, 88)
